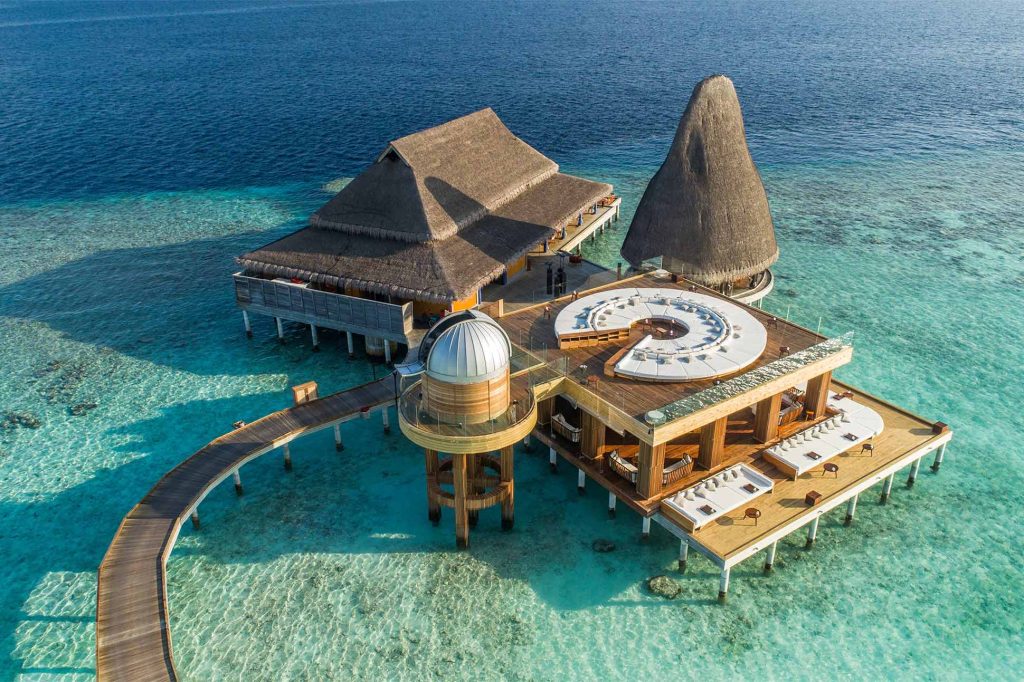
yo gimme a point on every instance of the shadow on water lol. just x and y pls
(157, 304)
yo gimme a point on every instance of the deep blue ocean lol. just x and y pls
(144, 144)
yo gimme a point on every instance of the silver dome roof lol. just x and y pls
(469, 351)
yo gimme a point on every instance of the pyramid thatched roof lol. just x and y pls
(438, 215)
(705, 211)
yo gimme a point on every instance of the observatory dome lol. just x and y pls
(470, 351)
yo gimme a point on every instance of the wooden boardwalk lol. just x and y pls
(133, 638)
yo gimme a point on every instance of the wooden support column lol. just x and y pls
(433, 506)
(592, 439)
(769, 558)
(316, 338)
(913, 472)
(553, 459)
(817, 394)
(280, 329)
(812, 533)
(611, 504)
(384, 420)
(351, 345)
(684, 552)
(723, 585)
(473, 472)
(544, 408)
(287, 457)
(248, 325)
(195, 519)
(851, 509)
(387, 351)
(338, 445)
(887, 489)
(652, 466)
(939, 454)
(766, 421)
(461, 514)
(645, 528)
(238, 482)
(581, 482)
(508, 504)
(712, 443)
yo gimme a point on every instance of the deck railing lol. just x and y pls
(299, 303)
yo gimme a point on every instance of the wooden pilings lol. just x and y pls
(433, 466)
(812, 532)
(723, 585)
(915, 467)
(461, 490)
(887, 489)
(287, 457)
(769, 557)
(351, 344)
(316, 338)
(247, 323)
(387, 351)
(939, 454)
(508, 504)
(684, 553)
(195, 519)
(611, 504)
(473, 473)
(851, 509)
(593, 436)
(238, 482)
(338, 445)
(384, 420)
(645, 528)
(280, 329)
(553, 459)
(581, 482)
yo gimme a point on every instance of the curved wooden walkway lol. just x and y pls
(133, 637)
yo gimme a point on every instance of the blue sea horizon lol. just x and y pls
(144, 145)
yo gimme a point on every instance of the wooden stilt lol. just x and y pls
(645, 528)
(433, 506)
(461, 513)
(723, 585)
(473, 471)
(851, 509)
(553, 459)
(913, 472)
(508, 504)
(581, 482)
(887, 489)
(939, 454)
(280, 329)
(387, 351)
(384, 420)
(611, 504)
(769, 558)
(248, 324)
(287, 457)
(195, 520)
(238, 482)
(338, 445)
(528, 443)
(316, 338)
(351, 344)
(812, 532)
(684, 553)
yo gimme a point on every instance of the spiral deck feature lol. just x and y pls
(716, 338)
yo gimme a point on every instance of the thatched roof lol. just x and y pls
(705, 211)
(433, 183)
(438, 215)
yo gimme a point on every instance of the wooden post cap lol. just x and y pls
(940, 427)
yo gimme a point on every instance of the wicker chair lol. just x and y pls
(677, 470)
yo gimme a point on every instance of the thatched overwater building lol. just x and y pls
(438, 215)
(705, 213)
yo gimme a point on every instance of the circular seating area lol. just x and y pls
(720, 337)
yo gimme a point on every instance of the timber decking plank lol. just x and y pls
(133, 640)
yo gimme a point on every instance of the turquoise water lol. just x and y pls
(143, 145)
(307, 576)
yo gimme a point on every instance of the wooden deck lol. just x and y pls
(530, 329)
(133, 639)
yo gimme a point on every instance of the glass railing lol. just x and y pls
(754, 378)
(417, 412)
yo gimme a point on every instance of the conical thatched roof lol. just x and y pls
(705, 211)
(439, 214)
